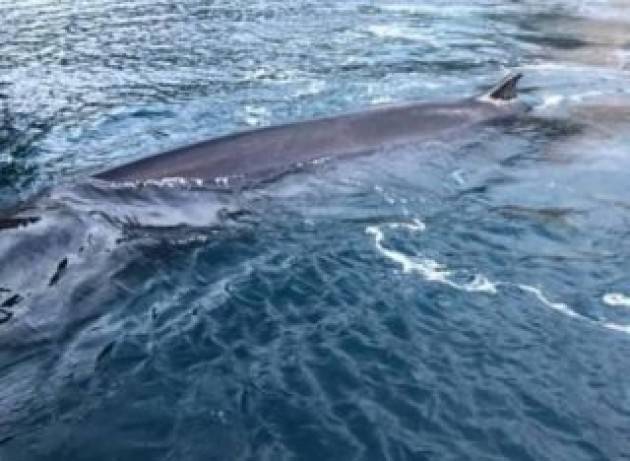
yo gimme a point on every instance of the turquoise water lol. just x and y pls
(467, 299)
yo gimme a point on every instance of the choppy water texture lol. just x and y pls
(445, 301)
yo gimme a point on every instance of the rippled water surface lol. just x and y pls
(457, 299)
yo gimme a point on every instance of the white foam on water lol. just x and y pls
(482, 284)
(566, 310)
(566, 66)
(460, 10)
(553, 101)
(560, 307)
(428, 269)
(550, 100)
(616, 300)
(433, 271)
(458, 176)
(401, 32)
(313, 87)
(617, 327)
(256, 115)
(415, 225)
(382, 99)
(582, 97)
(389, 198)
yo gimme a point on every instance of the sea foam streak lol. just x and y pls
(428, 268)
(434, 271)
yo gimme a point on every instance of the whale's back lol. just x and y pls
(274, 149)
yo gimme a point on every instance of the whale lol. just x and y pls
(266, 152)
(251, 158)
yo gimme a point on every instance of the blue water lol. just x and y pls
(467, 299)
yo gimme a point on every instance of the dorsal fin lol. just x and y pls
(505, 90)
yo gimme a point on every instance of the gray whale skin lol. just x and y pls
(268, 151)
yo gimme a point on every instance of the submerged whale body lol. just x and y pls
(273, 150)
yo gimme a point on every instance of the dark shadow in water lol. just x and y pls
(19, 143)
(11, 301)
(546, 128)
(5, 316)
(15, 144)
(14, 223)
(61, 268)
(6, 313)
(7, 121)
(558, 41)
